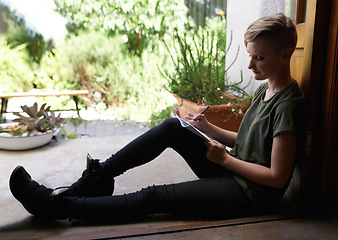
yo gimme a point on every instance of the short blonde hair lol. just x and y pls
(279, 28)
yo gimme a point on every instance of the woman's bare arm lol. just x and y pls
(282, 161)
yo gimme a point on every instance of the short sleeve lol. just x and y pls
(285, 118)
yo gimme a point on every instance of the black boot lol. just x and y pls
(91, 184)
(36, 198)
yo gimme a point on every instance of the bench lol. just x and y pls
(5, 96)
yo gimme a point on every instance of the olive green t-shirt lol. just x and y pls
(285, 111)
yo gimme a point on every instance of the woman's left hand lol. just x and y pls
(216, 152)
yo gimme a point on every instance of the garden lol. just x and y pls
(132, 56)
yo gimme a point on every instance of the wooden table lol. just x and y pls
(5, 97)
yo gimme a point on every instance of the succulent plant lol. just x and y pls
(14, 130)
(38, 120)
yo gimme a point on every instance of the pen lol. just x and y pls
(204, 110)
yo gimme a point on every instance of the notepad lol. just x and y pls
(192, 128)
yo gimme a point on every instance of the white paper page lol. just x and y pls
(192, 128)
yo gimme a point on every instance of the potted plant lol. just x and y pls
(199, 79)
(31, 131)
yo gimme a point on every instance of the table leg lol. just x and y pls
(4, 102)
(77, 105)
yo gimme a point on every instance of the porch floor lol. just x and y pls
(61, 163)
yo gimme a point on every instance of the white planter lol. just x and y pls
(24, 143)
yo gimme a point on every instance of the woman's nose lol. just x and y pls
(250, 64)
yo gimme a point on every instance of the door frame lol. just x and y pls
(318, 79)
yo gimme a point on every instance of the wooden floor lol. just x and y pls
(263, 228)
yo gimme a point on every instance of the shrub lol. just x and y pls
(89, 61)
(128, 84)
(143, 22)
(17, 34)
(15, 73)
(158, 117)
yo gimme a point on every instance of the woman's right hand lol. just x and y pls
(198, 120)
(223, 136)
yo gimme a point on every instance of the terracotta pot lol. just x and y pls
(220, 115)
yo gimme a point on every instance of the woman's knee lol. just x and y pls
(173, 122)
(170, 125)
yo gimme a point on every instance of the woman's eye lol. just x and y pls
(259, 58)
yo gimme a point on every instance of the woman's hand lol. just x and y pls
(198, 120)
(216, 152)
(282, 161)
(226, 137)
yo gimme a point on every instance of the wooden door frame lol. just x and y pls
(311, 184)
(329, 116)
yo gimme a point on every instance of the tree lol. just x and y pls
(142, 22)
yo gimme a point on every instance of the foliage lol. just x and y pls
(17, 34)
(38, 120)
(147, 93)
(69, 134)
(157, 118)
(114, 77)
(88, 61)
(96, 57)
(15, 73)
(75, 122)
(21, 50)
(14, 130)
(200, 70)
(143, 22)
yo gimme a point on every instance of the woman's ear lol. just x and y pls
(287, 53)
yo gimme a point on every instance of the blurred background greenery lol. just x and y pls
(112, 48)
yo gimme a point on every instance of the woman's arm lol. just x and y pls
(223, 136)
(226, 137)
(282, 161)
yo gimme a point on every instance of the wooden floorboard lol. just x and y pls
(163, 227)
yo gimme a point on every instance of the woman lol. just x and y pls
(251, 178)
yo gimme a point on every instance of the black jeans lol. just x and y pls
(216, 193)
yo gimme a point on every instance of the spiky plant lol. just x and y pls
(38, 120)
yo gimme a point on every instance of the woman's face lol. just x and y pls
(265, 61)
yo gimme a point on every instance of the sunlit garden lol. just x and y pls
(122, 52)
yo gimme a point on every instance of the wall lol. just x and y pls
(240, 14)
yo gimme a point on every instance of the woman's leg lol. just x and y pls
(143, 149)
(215, 197)
(152, 143)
